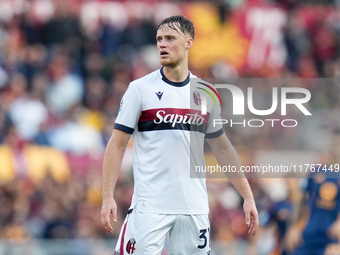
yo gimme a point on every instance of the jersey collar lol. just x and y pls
(176, 84)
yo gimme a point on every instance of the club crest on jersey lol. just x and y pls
(197, 97)
(131, 246)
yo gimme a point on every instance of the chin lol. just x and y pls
(165, 62)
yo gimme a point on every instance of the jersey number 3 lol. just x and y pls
(204, 237)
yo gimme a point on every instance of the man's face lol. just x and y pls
(172, 45)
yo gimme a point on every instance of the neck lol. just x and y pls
(176, 73)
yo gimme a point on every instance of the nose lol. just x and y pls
(161, 44)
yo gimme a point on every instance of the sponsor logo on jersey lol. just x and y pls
(131, 246)
(173, 118)
(197, 98)
(159, 94)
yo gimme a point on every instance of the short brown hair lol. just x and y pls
(181, 22)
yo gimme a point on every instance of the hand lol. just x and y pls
(334, 230)
(109, 207)
(293, 238)
(251, 216)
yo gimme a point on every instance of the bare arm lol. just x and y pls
(226, 155)
(111, 166)
(300, 215)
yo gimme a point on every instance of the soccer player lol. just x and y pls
(168, 140)
(316, 225)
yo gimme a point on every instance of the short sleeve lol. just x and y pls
(129, 111)
(215, 127)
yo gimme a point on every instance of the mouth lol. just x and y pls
(163, 53)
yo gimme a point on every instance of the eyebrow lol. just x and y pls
(166, 35)
(178, 30)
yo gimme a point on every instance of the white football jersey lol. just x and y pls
(168, 133)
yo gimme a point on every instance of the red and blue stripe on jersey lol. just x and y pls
(173, 118)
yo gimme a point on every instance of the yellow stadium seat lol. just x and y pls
(7, 172)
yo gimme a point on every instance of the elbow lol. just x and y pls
(222, 150)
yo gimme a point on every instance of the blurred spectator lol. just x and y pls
(26, 112)
(66, 89)
(316, 223)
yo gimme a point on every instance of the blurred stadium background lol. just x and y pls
(64, 66)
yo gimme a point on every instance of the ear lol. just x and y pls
(190, 43)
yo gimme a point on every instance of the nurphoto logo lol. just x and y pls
(301, 97)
